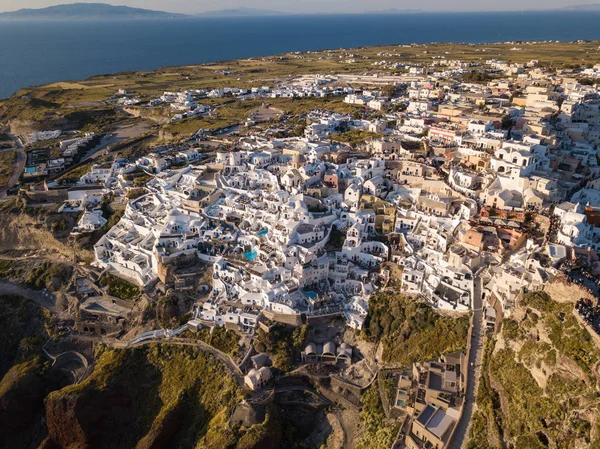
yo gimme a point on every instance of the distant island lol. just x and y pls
(242, 12)
(103, 11)
(395, 11)
(587, 7)
(87, 11)
(90, 11)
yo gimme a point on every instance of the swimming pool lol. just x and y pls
(262, 232)
(251, 255)
(311, 295)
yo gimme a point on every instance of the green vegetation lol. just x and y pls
(486, 424)
(135, 193)
(263, 433)
(527, 405)
(21, 330)
(172, 394)
(118, 287)
(231, 113)
(379, 432)
(388, 90)
(355, 137)
(284, 343)
(46, 274)
(299, 106)
(337, 238)
(139, 178)
(476, 77)
(389, 388)
(543, 379)
(411, 330)
(22, 392)
(8, 269)
(20, 374)
(72, 176)
(7, 164)
(112, 216)
(565, 333)
(224, 340)
(139, 181)
(235, 112)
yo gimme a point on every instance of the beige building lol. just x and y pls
(432, 429)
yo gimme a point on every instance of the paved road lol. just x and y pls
(18, 169)
(461, 434)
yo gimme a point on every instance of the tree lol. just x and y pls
(507, 122)
(260, 347)
(476, 77)
(388, 90)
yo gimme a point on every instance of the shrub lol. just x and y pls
(118, 287)
(411, 330)
(135, 193)
(378, 432)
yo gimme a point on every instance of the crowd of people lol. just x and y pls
(589, 312)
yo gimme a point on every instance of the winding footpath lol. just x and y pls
(226, 359)
(18, 168)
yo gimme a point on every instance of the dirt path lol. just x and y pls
(227, 360)
(43, 298)
(19, 166)
(349, 421)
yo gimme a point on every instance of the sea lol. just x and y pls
(34, 53)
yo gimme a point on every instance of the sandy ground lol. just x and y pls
(564, 293)
(358, 373)
(86, 104)
(263, 114)
(336, 437)
(122, 133)
(350, 423)
(23, 232)
(365, 348)
(133, 130)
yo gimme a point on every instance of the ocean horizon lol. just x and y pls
(42, 52)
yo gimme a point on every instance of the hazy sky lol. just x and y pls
(311, 6)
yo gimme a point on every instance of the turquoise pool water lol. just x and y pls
(251, 256)
(262, 232)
